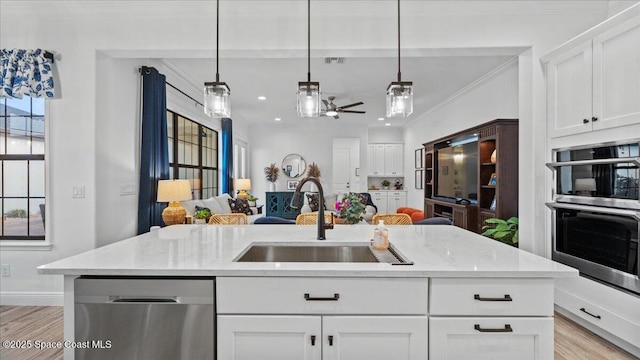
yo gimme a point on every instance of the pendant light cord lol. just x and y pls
(309, 41)
(399, 73)
(217, 38)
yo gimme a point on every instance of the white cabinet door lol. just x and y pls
(375, 159)
(393, 159)
(491, 338)
(569, 92)
(269, 337)
(616, 76)
(379, 198)
(374, 337)
(396, 200)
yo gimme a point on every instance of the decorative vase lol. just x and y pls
(200, 221)
(493, 156)
(272, 186)
(252, 203)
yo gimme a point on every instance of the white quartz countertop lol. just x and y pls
(209, 250)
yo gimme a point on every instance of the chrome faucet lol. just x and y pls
(297, 200)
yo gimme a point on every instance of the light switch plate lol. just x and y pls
(127, 189)
(78, 192)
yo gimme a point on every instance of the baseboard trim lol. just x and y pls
(31, 298)
(624, 345)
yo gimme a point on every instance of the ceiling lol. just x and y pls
(364, 78)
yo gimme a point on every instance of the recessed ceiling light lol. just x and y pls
(387, 124)
(262, 98)
(380, 119)
(277, 119)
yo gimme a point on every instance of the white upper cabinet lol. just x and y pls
(596, 85)
(616, 77)
(385, 159)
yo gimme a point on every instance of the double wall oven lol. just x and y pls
(596, 212)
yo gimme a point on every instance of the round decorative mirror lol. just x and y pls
(293, 165)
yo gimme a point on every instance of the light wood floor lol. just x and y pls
(44, 323)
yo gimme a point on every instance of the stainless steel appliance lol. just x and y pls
(144, 318)
(596, 212)
(602, 175)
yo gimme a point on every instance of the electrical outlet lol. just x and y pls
(6, 270)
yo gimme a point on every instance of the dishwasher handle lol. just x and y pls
(145, 300)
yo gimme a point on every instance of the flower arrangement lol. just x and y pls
(271, 173)
(351, 208)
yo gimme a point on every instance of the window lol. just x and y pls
(22, 178)
(193, 154)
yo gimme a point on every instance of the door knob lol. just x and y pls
(585, 121)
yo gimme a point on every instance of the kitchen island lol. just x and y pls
(463, 296)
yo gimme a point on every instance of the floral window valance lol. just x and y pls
(25, 72)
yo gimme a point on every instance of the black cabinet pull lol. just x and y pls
(594, 119)
(588, 313)
(334, 298)
(507, 297)
(313, 340)
(330, 340)
(586, 121)
(507, 328)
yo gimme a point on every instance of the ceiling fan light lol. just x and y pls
(217, 100)
(309, 99)
(331, 113)
(400, 99)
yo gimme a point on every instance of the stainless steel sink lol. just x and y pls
(351, 253)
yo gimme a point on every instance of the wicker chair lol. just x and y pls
(228, 219)
(392, 219)
(311, 218)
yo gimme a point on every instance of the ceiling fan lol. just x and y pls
(333, 109)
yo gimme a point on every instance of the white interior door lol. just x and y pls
(346, 165)
(341, 166)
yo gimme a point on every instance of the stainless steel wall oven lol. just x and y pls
(596, 212)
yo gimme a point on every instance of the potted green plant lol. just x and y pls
(350, 208)
(385, 184)
(252, 200)
(505, 231)
(202, 216)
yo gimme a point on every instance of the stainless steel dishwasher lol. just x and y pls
(144, 318)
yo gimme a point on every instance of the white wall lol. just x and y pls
(90, 127)
(313, 140)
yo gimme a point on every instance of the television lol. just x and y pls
(457, 170)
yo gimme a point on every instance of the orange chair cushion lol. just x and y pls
(416, 214)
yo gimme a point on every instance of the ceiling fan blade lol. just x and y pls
(325, 103)
(336, 117)
(351, 105)
(352, 111)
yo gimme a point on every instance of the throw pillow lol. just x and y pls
(314, 201)
(240, 206)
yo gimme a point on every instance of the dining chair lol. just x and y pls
(392, 219)
(228, 219)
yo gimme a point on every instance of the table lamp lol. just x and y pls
(242, 185)
(173, 191)
(585, 186)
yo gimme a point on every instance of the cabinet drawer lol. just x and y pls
(269, 295)
(495, 338)
(378, 194)
(500, 297)
(398, 194)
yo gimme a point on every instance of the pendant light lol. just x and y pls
(399, 93)
(217, 101)
(308, 91)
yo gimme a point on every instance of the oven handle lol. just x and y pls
(604, 210)
(634, 160)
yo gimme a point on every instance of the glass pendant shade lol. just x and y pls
(217, 99)
(309, 99)
(400, 99)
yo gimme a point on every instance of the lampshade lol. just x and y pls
(309, 99)
(242, 184)
(174, 190)
(217, 95)
(585, 184)
(217, 99)
(399, 93)
(400, 99)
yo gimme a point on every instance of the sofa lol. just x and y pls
(416, 214)
(330, 204)
(218, 205)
